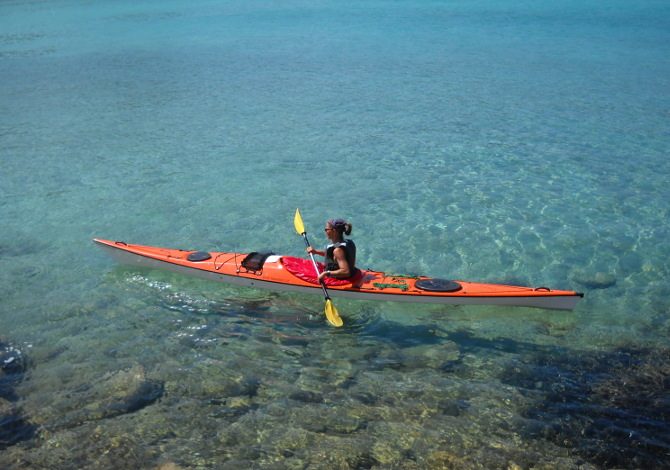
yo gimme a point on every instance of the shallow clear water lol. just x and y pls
(493, 141)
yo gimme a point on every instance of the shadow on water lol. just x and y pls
(402, 336)
(468, 342)
(612, 408)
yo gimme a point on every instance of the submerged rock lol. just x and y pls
(306, 396)
(143, 395)
(232, 407)
(116, 393)
(452, 407)
(130, 391)
(611, 408)
(386, 453)
(14, 427)
(222, 387)
(444, 459)
(321, 419)
(168, 466)
(12, 367)
(292, 440)
(432, 356)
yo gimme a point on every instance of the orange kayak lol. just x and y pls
(287, 273)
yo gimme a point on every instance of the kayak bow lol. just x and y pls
(286, 273)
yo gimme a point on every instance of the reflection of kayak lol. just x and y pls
(286, 273)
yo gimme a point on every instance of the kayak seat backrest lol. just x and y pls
(255, 260)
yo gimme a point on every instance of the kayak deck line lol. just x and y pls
(270, 271)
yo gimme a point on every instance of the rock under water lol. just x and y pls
(14, 427)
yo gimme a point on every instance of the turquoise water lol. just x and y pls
(494, 141)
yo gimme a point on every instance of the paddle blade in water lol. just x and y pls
(297, 223)
(331, 314)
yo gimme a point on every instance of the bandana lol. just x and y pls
(337, 223)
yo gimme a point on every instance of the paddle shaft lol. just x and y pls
(316, 268)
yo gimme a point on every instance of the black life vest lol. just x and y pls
(349, 248)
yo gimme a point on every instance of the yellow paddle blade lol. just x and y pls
(331, 314)
(297, 223)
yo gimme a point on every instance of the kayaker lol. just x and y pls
(340, 254)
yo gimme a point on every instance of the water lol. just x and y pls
(493, 141)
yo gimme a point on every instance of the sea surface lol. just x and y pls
(492, 140)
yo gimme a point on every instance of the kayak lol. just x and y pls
(288, 273)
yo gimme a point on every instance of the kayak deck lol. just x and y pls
(271, 272)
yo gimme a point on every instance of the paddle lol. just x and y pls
(331, 312)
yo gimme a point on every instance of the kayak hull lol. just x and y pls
(372, 285)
